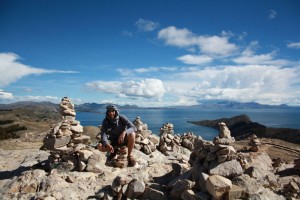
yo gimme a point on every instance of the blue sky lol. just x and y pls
(150, 53)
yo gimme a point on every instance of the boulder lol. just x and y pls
(135, 189)
(228, 169)
(217, 185)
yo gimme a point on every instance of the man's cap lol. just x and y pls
(112, 107)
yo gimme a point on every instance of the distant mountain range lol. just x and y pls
(239, 105)
(95, 107)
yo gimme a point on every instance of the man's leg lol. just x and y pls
(130, 142)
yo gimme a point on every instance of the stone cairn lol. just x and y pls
(224, 135)
(121, 159)
(209, 161)
(144, 141)
(67, 144)
(254, 143)
(175, 144)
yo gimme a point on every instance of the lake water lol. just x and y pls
(155, 118)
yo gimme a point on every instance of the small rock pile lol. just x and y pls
(224, 135)
(67, 144)
(123, 187)
(175, 145)
(292, 189)
(169, 141)
(209, 154)
(121, 159)
(254, 143)
(144, 141)
(142, 128)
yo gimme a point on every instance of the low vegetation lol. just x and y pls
(10, 131)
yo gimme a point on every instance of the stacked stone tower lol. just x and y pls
(67, 144)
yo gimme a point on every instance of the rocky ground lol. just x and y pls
(275, 148)
(19, 156)
(160, 174)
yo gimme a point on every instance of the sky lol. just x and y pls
(150, 53)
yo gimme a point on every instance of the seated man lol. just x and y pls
(118, 130)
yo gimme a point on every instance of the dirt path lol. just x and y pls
(275, 148)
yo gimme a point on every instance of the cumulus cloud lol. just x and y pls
(146, 25)
(213, 45)
(14, 70)
(148, 88)
(260, 83)
(6, 95)
(177, 37)
(144, 70)
(195, 59)
(53, 99)
(295, 45)
(267, 59)
(272, 14)
(216, 45)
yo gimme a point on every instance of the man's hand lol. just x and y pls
(121, 137)
(105, 148)
(110, 148)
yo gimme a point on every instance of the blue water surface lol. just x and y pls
(155, 118)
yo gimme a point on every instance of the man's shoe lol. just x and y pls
(131, 161)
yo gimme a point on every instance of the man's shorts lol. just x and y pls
(114, 141)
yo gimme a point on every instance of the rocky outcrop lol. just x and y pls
(242, 127)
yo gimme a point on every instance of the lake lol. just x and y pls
(155, 118)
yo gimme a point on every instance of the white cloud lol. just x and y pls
(112, 87)
(154, 69)
(52, 99)
(144, 70)
(146, 25)
(253, 59)
(6, 95)
(177, 37)
(212, 45)
(260, 83)
(248, 57)
(195, 59)
(216, 45)
(295, 45)
(272, 14)
(14, 70)
(148, 88)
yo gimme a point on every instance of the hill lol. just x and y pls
(27, 118)
(241, 127)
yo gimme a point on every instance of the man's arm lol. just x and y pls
(129, 126)
(104, 139)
